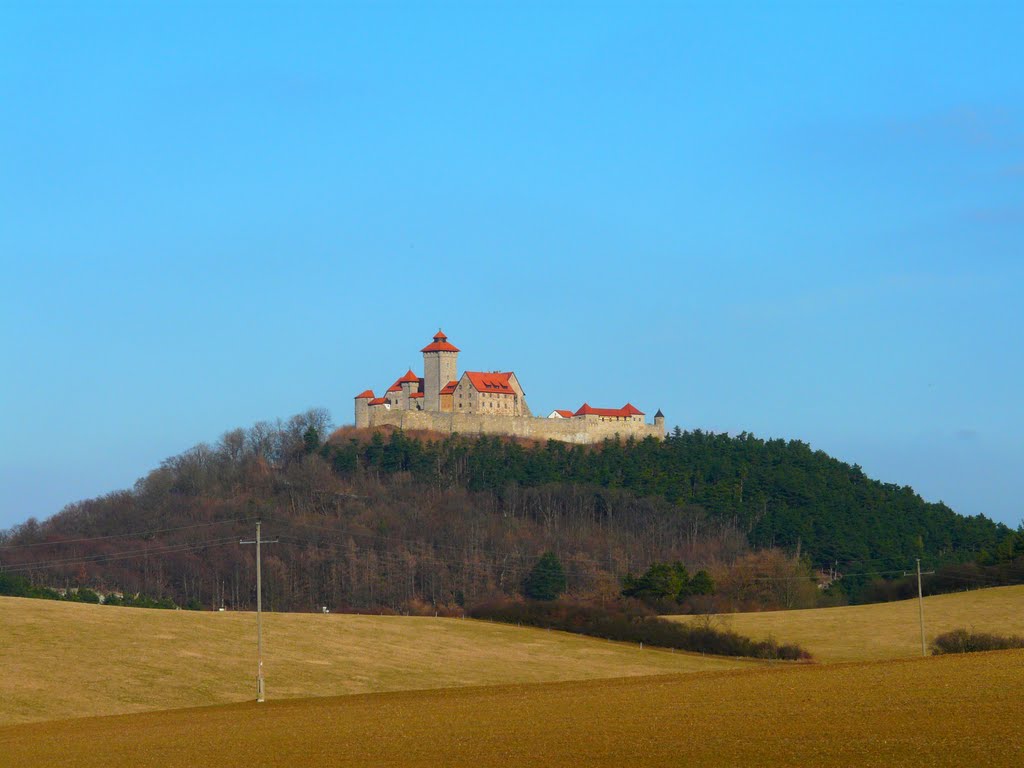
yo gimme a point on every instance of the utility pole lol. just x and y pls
(259, 612)
(920, 604)
(920, 607)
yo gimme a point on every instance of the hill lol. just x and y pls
(64, 660)
(884, 630)
(942, 711)
(414, 524)
(780, 493)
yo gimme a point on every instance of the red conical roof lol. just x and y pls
(440, 344)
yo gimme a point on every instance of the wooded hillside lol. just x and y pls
(404, 522)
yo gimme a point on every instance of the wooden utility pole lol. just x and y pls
(259, 612)
(920, 604)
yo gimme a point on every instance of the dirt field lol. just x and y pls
(62, 660)
(941, 711)
(884, 630)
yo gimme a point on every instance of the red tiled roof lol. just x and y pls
(564, 413)
(366, 394)
(624, 412)
(440, 344)
(497, 383)
(449, 388)
(378, 401)
(415, 394)
(397, 386)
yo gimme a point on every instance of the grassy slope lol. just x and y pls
(885, 630)
(941, 711)
(63, 660)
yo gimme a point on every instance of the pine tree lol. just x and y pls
(311, 439)
(546, 581)
(702, 583)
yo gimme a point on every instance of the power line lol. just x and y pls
(396, 540)
(522, 557)
(338, 547)
(396, 557)
(993, 580)
(862, 563)
(163, 550)
(125, 535)
(412, 542)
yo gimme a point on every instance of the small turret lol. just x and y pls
(659, 420)
(362, 408)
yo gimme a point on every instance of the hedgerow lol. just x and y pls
(629, 621)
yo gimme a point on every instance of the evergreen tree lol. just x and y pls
(702, 583)
(546, 581)
(311, 439)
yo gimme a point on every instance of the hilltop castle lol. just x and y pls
(492, 403)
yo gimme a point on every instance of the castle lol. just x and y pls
(491, 403)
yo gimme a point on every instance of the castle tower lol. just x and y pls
(363, 408)
(659, 422)
(440, 365)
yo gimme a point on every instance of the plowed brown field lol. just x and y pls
(941, 711)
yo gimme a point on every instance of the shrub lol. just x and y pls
(86, 595)
(667, 586)
(631, 621)
(144, 601)
(18, 586)
(964, 641)
(14, 586)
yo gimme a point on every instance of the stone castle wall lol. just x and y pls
(564, 430)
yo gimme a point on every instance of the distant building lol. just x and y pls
(560, 414)
(488, 402)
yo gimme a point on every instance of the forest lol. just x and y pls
(434, 523)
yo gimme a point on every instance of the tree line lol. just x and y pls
(779, 493)
(400, 522)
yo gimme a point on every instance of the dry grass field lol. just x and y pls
(64, 660)
(884, 630)
(940, 711)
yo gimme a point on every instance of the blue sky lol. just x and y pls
(803, 220)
